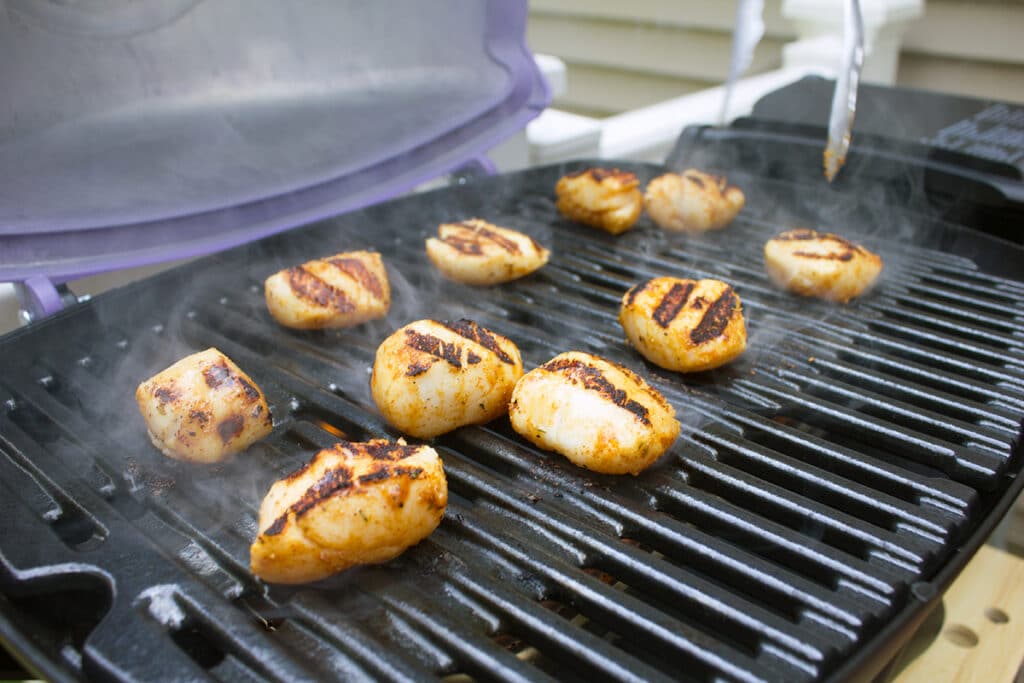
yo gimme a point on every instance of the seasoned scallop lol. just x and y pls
(598, 414)
(822, 265)
(431, 377)
(354, 503)
(478, 253)
(203, 408)
(608, 199)
(692, 201)
(684, 325)
(338, 291)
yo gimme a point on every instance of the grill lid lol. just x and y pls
(136, 132)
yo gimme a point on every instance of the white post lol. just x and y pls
(885, 22)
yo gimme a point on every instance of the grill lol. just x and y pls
(825, 489)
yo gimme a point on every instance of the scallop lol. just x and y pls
(476, 252)
(353, 504)
(607, 199)
(692, 201)
(821, 265)
(338, 291)
(684, 325)
(598, 414)
(203, 408)
(431, 377)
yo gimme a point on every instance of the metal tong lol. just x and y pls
(844, 99)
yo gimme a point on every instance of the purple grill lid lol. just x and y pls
(138, 131)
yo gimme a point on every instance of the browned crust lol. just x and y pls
(480, 229)
(311, 288)
(696, 180)
(716, 318)
(602, 174)
(337, 480)
(806, 234)
(230, 427)
(354, 268)
(634, 291)
(593, 379)
(449, 352)
(464, 245)
(673, 302)
(479, 334)
(220, 375)
(846, 255)
(166, 394)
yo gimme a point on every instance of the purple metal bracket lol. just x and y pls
(38, 297)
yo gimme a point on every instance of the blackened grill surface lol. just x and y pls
(821, 481)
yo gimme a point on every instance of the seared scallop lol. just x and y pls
(203, 408)
(692, 201)
(822, 265)
(608, 199)
(338, 291)
(476, 252)
(598, 414)
(431, 377)
(684, 325)
(354, 503)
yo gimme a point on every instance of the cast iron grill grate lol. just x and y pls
(818, 481)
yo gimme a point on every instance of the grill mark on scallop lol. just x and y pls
(219, 375)
(479, 233)
(166, 394)
(339, 479)
(463, 245)
(230, 427)
(333, 480)
(634, 291)
(696, 180)
(383, 450)
(357, 270)
(594, 380)
(428, 343)
(806, 235)
(474, 332)
(673, 302)
(308, 286)
(844, 256)
(600, 174)
(716, 318)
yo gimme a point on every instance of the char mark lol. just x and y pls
(716, 318)
(200, 417)
(380, 449)
(634, 291)
(463, 245)
(357, 270)
(696, 180)
(482, 232)
(277, 527)
(220, 375)
(798, 235)
(230, 427)
(166, 394)
(481, 335)
(379, 474)
(428, 343)
(672, 303)
(845, 255)
(593, 379)
(332, 482)
(217, 375)
(311, 288)
(418, 368)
